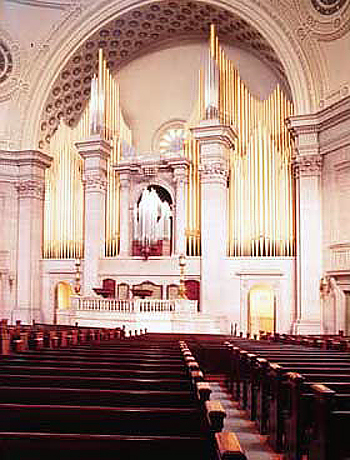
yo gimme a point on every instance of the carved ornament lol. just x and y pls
(213, 172)
(307, 165)
(95, 181)
(31, 189)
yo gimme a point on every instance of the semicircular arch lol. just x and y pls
(271, 28)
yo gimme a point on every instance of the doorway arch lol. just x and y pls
(261, 309)
(63, 292)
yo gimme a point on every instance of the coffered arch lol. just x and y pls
(127, 30)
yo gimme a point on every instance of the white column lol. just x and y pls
(95, 152)
(180, 179)
(307, 170)
(124, 176)
(215, 142)
(31, 192)
(307, 167)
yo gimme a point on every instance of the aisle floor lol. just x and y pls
(254, 444)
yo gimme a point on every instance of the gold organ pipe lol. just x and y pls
(212, 40)
(64, 204)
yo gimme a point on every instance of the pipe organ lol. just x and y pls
(261, 219)
(64, 195)
(260, 214)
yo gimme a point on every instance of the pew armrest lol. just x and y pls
(196, 375)
(228, 446)
(203, 391)
(215, 414)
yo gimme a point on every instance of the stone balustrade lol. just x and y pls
(133, 306)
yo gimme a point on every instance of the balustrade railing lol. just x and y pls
(129, 306)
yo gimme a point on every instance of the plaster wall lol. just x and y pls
(338, 69)
(163, 85)
(30, 24)
(335, 146)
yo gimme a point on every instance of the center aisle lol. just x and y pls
(254, 444)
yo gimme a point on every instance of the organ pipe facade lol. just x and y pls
(261, 220)
(64, 195)
(260, 212)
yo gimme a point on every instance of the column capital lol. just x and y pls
(94, 181)
(307, 165)
(31, 188)
(213, 172)
(305, 132)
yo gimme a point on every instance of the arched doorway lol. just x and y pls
(261, 309)
(63, 291)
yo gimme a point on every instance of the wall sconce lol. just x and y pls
(11, 280)
(324, 285)
(182, 288)
(77, 284)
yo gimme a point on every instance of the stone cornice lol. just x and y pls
(94, 146)
(324, 119)
(25, 158)
(212, 131)
(151, 166)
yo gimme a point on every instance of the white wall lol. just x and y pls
(163, 85)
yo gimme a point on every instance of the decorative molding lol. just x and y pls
(327, 19)
(213, 172)
(307, 165)
(325, 131)
(211, 131)
(340, 256)
(335, 95)
(139, 30)
(94, 181)
(180, 175)
(342, 166)
(31, 189)
(53, 4)
(9, 66)
(273, 19)
(95, 146)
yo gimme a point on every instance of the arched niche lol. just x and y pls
(261, 309)
(153, 222)
(63, 293)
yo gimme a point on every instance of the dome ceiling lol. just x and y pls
(137, 32)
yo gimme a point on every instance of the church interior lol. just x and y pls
(175, 193)
(181, 165)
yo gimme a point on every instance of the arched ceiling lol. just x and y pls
(137, 32)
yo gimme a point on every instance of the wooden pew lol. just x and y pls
(176, 427)
(260, 383)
